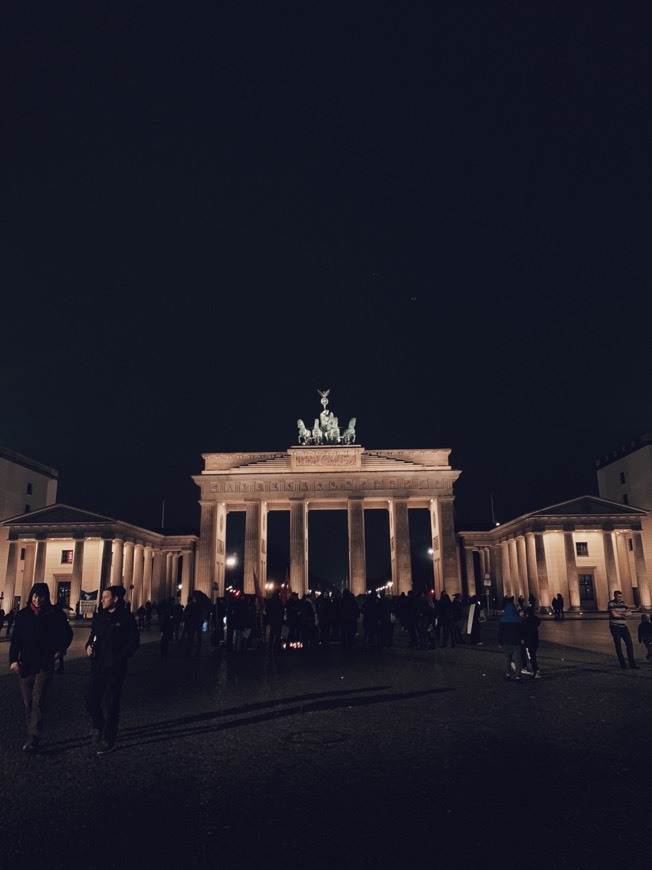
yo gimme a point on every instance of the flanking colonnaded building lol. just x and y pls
(582, 548)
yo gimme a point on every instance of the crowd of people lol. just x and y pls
(285, 622)
(40, 634)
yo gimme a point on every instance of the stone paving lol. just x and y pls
(321, 759)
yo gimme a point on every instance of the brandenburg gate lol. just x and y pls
(326, 471)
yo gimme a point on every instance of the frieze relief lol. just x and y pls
(321, 459)
(420, 484)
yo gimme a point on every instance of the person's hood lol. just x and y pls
(510, 614)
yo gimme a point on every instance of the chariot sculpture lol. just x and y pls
(326, 428)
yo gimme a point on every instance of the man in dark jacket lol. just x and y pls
(40, 631)
(113, 639)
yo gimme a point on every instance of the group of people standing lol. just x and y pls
(41, 633)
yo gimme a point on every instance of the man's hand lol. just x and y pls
(15, 667)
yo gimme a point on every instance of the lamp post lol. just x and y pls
(487, 586)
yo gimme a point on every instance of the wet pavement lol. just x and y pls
(322, 759)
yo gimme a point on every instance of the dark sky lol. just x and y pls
(439, 211)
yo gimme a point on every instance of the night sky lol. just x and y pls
(440, 211)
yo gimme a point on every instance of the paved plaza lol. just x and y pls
(320, 759)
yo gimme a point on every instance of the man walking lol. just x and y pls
(113, 639)
(40, 631)
(618, 613)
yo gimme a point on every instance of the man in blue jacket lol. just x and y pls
(114, 638)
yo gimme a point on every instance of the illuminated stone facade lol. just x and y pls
(73, 550)
(583, 548)
(346, 478)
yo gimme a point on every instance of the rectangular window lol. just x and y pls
(29, 489)
(582, 548)
(22, 554)
(66, 557)
(27, 508)
(622, 477)
(625, 499)
(630, 544)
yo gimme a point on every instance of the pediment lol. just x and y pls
(588, 505)
(57, 514)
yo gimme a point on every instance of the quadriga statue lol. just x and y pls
(348, 436)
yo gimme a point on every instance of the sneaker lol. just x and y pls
(104, 748)
(506, 677)
(537, 676)
(525, 671)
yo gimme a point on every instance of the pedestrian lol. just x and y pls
(275, 614)
(349, 619)
(510, 639)
(645, 634)
(61, 653)
(40, 631)
(193, 619)
(618, 613)
(166, 621)
(446, 619)
(114, 638)
(531, 624)
(560, 606)
(11, 615)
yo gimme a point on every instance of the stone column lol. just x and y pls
(137, 592)
(496, 570)
(253, 544)
(521, 555)
(627, 582)
(571, 571)
(641, 572)
(147, 573)
(470, 571)
(298, 546)
(506, 572)
(448, 542)
(438, 580)
(105, 566)
(220, 549)
(39, 567)
(542, 570)
(400, 543)
(174, 580)
(513, 568)
(77, 573)
(158, 585)
(206, 556)
(116, 569)
(128, 564)
(10, 577)
(185, 575)
(531, 562)
(357, 559)
(28, 573)
(610, 563)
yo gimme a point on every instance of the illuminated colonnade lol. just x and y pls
(86, 552)
(306, 479)
(583, 548)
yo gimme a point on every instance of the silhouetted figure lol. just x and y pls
(113, 639)
(349, 619)
(40, 631)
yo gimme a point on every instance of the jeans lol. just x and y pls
(620, 633)
(34, 689)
